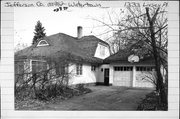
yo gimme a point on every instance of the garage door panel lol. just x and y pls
(143, 79)
(122, 78)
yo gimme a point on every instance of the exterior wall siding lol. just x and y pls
(87, 76)
(120, 78)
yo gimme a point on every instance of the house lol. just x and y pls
(88, 60)
(84, 55)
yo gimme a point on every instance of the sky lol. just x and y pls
(66, 22)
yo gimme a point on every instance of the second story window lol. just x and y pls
(102, 50)
(79, 69)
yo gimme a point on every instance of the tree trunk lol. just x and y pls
(160, 84)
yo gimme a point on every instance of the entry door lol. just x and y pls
(106, 76)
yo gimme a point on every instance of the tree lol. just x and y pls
(45, 78)
(145, 29)
(39, 32)
(20, 46)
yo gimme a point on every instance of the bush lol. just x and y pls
(151, 103)
(82, 88)
(50, 91)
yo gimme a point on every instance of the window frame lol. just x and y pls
(43, 44)
(42, 61)
(93, 68)
(79, 69)
(123, 68)
(144, 68)
(102, 50)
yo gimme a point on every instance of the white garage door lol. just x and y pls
(123, 76)
(144, 77)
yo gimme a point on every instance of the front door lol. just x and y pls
(106, 76)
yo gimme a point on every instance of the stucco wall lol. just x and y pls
(87, 76)
(98, 50)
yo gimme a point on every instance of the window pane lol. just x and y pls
(102, 50)
(79, 69)
(38, 66)
(42, 43)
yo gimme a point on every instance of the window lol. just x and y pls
(102, 50)
(38, 66)
(93, 68)
(61, 69)
(79, 69)
(123, 68)
(42, 43)
(101, 69)
(144, 68)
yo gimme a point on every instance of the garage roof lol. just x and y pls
(122, 57)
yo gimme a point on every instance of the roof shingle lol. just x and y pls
(59, 44)
(122, 57)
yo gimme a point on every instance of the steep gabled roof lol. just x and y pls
(122, 57)
(60, 44)
(90, 43)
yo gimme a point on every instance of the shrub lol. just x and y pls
(151, 103)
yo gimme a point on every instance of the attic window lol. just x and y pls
(42, 43)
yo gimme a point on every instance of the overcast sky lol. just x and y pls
(66, 22)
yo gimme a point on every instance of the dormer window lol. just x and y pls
(102, 50)
(42, 43)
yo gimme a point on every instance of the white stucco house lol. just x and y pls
(89, 59)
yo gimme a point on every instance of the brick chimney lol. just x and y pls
(79, 31)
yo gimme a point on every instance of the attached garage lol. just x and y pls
(143, 76)
(128, 69)
(122, 76)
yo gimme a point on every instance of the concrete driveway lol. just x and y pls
(104, 98)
